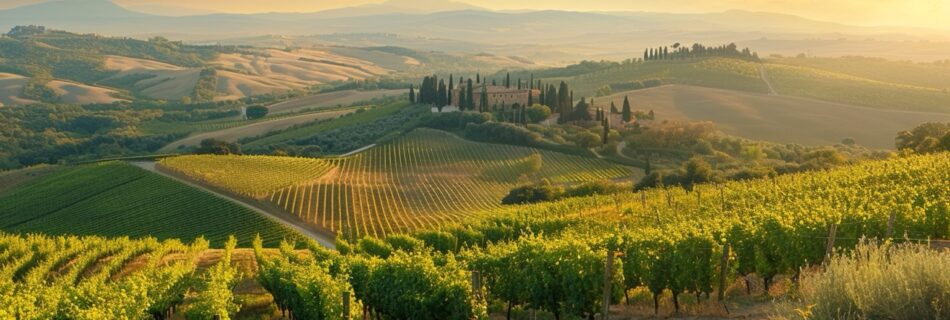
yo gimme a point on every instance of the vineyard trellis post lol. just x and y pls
(608, 272)
(346, 305)
(723, 271)
(477, 285)
(830, 246)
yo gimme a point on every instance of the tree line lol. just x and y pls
(680, 52)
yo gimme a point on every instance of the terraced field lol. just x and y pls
(420, 180)
(118, 199)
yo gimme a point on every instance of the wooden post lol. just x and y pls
(669, 199)
(890, 225)
(723, 271)
(346, 305)
(608, 272)
(829, 248)
(699, 196)
(477, 285)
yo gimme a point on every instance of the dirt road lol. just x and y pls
(279, 217)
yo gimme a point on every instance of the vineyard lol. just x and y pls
(254, 176)
(545, 257)
(134, 202)
(418, 181)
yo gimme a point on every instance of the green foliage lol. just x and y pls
(414, 286)
(256, 112)
(926, 138)
(215, 298)
(79, 199)
(532, 194)
(440, 241)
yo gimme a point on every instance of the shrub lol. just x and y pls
(375, 247)
(256, 112)
(439, 240)
(881, 282)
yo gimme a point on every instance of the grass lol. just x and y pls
(838, 87)
(874, 281)
(926, 75)
(420, 180)
(723, 73)
(118, 199)
(310, 129)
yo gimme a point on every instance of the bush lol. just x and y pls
(375, 247)
(502, 133)
(537, 113)
(454, 120)
(594, 187)
(881, 282)
(256, 112)
(404, 242)
(532, 194)
(439, 240)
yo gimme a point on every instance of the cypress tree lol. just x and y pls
(627, 114)
(441, 96)
(564, 99)
(613, 108)
(507, 80)
(478, 78)
(606, 123)
(412, 94)
(493, 82)
(645, 56)
(448, 99)
(469, 99)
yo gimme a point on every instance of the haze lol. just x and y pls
(908, 13)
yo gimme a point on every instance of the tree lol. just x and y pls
(469, 98)
(613, 108)
(537, 113)
(215, 146)
(441, 99)
(646, 55)
(256, 112)
(478, 78)
(412, 94)
(564, 99)
(627, 115)
(925, 138)
(448, 97)
(508, 80)
(483, 101)
(697, 171)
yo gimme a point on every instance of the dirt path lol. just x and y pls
(276, 216)
(768, 83)
(254, 129)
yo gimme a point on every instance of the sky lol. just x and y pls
(911, 13)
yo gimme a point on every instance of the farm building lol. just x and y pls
(498, 96)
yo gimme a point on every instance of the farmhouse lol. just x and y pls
(498, 96)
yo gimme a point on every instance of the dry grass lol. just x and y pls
(775, 118)
(877, 282)
(331, 99)
(254, 129)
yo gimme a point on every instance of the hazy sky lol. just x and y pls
(920, 13)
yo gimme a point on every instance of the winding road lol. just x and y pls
(279, 217)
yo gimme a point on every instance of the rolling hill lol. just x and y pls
(421, 180)
(782, 119)
(118, 199)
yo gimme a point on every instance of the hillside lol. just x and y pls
(118, 199)
(670, 241)
(421, 180)
(894, 86)
(781, 119)
(12, 91)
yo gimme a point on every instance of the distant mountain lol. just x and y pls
(553, 36)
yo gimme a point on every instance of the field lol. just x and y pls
(331, 99)
(253, 176)
(926, 75)
(722, 73)
(418, 181)
(545, 258)
(304, 131)
(781, 119)
(11, 87)
(117, 199)
(232, 131)
(838, 87)
(881, 85)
